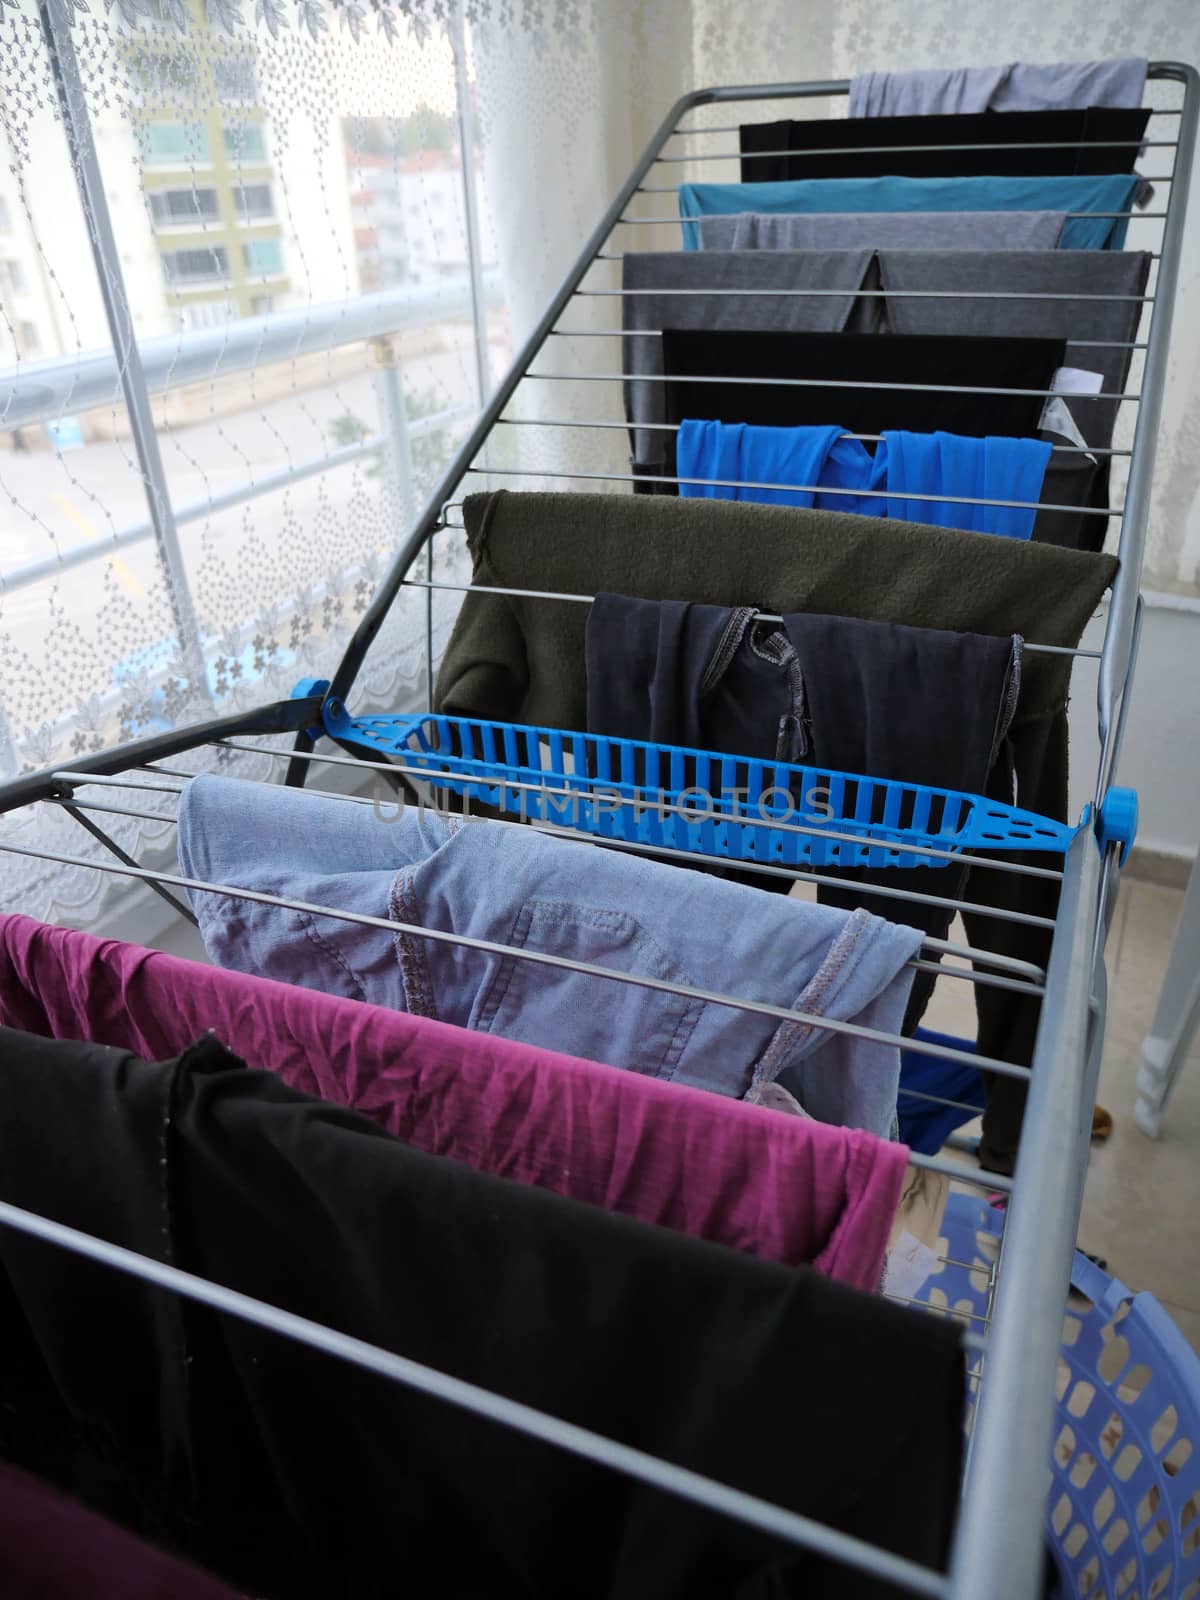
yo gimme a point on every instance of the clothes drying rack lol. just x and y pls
(1013, 1350)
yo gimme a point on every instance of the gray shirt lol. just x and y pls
(1014, 280)
(1118, 276)
(898, 230)
(760, 289)
(1016, 86)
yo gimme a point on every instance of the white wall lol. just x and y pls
(1160, 757)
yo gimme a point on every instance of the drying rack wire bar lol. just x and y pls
(619, 255)
(794, 488)
(587, 599)
(815, 383)
(673, 427)
(862, 294)
(673, 188)
(918, 964)
(1005, 963)
(1027, 975)
(657, 333)
(103, 808)
(537, 957)
(936, 1099)
(908, 1300)
(834, 89)
(927, 149)
(994, 864)
(657, 1473)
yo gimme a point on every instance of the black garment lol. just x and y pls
(295, 1475)
(705, 677)
(919, 705)
(1073, 479)
(856, 358)
(980, 361)
(808, 144)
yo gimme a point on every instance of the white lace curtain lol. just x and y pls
(335, 220)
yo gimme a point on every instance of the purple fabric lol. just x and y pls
(784, 1188)
(52, 1548)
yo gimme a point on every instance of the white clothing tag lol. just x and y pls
(1056, 414)
(1077, 380)
(1057, 418)
(909, 1263)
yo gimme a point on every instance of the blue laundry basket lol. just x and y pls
(1123, 1507)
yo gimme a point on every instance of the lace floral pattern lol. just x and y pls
(336, 220)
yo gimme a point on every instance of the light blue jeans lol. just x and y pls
(562, 897)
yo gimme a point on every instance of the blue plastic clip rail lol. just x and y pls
(725, 806)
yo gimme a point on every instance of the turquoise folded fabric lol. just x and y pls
(1084, 199)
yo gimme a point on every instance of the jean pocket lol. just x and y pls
(602, 1019)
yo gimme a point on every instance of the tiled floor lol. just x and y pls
(1141, 1208)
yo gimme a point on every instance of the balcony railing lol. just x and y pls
(35, 392)
(40, 391)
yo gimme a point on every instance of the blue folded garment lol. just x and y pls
(1091, 195)
(928, 1081)
(904, 465)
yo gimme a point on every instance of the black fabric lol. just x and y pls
(807, 145)
(1073, 479)
(293, 1474)
(705, 677)
(856, 358)
(918, 705)
(980, 361)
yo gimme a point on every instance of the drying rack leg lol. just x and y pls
(178, 906)
(1176, 1018)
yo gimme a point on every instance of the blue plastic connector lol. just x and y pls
(310, 688)
(1118, 820)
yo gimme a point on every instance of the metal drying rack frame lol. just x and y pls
(998, 1542)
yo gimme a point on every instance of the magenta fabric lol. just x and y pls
(52, 1548)
(784, 1188)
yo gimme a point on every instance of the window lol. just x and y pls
(261, 305)
(185, 267)
(13, 274)
(207, 313)
(254, 201)
(263, 256)
(158, 72)
(235, 78)
(178, 207)
(246, 142)
(176, 144)
(30, 342)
